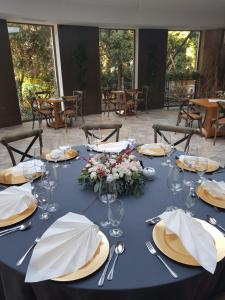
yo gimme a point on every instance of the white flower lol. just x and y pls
(88, 165)
(116, 176)
(109, 178)
(93, 175)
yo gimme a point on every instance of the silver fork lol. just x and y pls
(153, 251)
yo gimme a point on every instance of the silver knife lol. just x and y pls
(102, 278)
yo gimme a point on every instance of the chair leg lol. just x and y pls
(178, 119)
(33, 121)
(215, 135)
(200, 126)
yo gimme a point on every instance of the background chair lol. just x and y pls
(6, 140)
(189, 114)
(79, 103)
(89, 127)
(40, 109)
(219, 122)
(70, 109)
(188, 132)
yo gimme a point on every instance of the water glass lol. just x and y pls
(189, 196)
(43, 198)
(174, 182)
(202, 168)
(107, 195)
(167, 149)
(115, 215)
(49, 184)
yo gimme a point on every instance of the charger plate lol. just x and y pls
(21, 216)
(6, 177)
(208, 198)
(211, 167)
(70, 154)
(152, 151)
(171, 246)
(93, 265)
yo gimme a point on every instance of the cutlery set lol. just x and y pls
(117, 249)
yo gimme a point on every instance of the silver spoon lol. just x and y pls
(22, 227)
(29, 249)
(118, 250)
(213, 221)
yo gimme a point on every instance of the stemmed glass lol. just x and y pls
(189, 195)
(29, 172)
(43, 200)
(115, 215)
(202, 168)
(49, 183)
(167, 150)
(107, 195)
(174, 182)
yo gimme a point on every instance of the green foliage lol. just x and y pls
(33, 63)
(116, 57)
(183, 66)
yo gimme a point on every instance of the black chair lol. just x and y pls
(6, 140)
(80, 102)
(188, 132)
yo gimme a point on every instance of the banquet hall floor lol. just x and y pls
(139, 126)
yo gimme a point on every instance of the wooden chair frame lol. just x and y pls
(87, 128)
(36, 134)
(188, 132)
(218, 125)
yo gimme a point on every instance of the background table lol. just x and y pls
(210, 114)
(138, 275)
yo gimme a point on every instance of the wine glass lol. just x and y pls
(115, 215)
(202, 168)
(189, 196)
(29, 171)
(174, 182)
(132, 140)
(50, 184)
(107, 195)
(167, 149)
(43, 198)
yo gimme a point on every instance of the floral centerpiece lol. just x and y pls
(123, 168)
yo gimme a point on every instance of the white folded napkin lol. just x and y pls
(15, 200)
(34, 164)
(215, 188)
(67, 245)
(110, 147)
(197, 241)
(56, 153)
(64, 148)
(197, 159)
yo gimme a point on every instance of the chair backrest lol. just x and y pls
(6, 140)
(70, 102)
(80, 100)
(89, 127)
(188, 132)
(43, 94)
(221, 106)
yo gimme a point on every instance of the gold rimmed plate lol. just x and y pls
(6, 177)
(208, 198)
(93, 265)
(21, 216)
(211, 167)
(171, 246)
(152, 151)
(70, 154)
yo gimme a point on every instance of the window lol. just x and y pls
(116, 58)
(33, 60)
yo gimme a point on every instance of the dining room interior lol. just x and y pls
(112, 165)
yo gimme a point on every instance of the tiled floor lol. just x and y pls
(140, 127)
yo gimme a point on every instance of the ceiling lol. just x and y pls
(171, 14)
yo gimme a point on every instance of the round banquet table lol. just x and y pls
(138, 274)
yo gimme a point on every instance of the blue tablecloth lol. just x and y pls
(138, 275)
